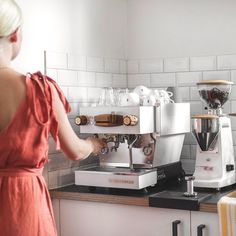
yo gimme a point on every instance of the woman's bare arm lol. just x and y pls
(74, 147)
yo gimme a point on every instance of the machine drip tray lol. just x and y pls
(117, 170)
(116, 177)
(176, 200)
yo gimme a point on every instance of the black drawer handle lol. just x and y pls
(200, 229)
(175, 227)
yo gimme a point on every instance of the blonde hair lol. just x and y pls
(10, 17)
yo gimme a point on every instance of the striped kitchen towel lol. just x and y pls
(227, 214)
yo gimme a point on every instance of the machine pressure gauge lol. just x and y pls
(147, 150)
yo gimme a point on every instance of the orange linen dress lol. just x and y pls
(25, 204)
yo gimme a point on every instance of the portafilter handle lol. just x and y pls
(190, 192)
(104, 150)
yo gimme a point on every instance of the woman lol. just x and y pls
(31, 107)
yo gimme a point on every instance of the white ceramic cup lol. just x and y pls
(129, 99)
(149, 100)
(165, 94)
(142, 91)
(162, 97)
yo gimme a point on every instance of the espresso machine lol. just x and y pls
(141, 140)
(215, 165)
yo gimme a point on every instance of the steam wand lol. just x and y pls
(130, 146)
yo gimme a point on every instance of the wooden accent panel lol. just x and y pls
(126, 200)
(217, 82)
(206, 207)
(108, 120)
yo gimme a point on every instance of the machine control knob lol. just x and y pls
(147, 150)
(229, 167)
(130, 120)
(81, 120)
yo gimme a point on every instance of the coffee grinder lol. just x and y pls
(215, 165)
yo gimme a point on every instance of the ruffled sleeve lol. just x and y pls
(41, 102)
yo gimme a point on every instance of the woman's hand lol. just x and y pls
(97, 145)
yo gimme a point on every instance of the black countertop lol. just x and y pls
(167, 195)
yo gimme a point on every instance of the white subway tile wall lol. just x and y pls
(163, 80)
(82, 77)
(77, 62)
(233, 76)
(123, 66)
(202, 63)
(77, 94)
(194, 95)
(67, 78)
(138, 79)
(103, 80)
(95, 64)
(56, 60)
(226, 62)
(212, 75)
(132, 66)
(112, 65)
(52, 73)
(93, 95)
(185, 93)
(86, 79)
(188, 78)
(233, 92)
(147, 66)
(176, 64)
(119, 81)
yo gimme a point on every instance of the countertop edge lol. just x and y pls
(104, 198)
(114, 199)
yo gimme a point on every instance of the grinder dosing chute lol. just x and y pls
(205, 129)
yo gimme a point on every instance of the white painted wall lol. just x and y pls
(179, 28)
(86, 27)
(99, 27)
(46, 26)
